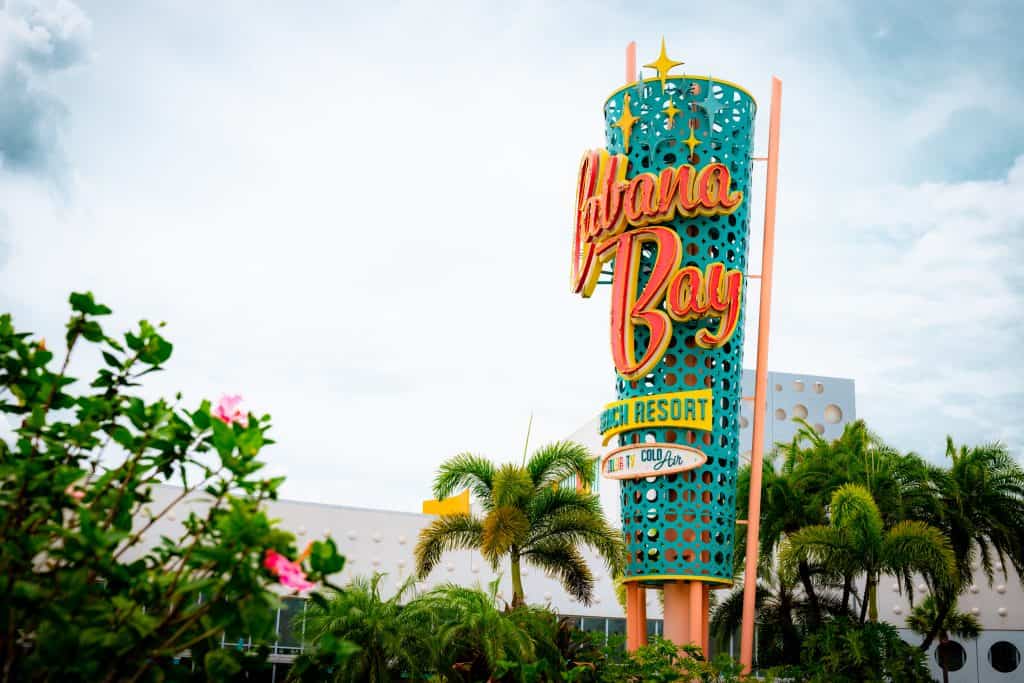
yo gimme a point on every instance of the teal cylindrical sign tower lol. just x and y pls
(663, 209)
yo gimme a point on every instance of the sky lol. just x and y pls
(359, 216)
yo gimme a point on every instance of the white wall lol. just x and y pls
(383, 541)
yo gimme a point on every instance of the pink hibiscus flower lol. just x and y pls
(229, 410)
(288, 573)
(75, 493)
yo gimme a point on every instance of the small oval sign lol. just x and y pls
(650, 460)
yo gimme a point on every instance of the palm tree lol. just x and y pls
(900, 483)
(786, 507)
(528, 516)
(856, 542)
(784, 617)
(981, 512)
(926, 618)
(812, 469)
(470, 632)
(388, 640)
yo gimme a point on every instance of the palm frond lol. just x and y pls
(982, 496)
(549, 501)
(854, 510)
(963, 625)
(819, 545)
(565, 562)
(449, 532)
(806, 434)
(388, 643)
(917, 547)
(574, 527)
(555, 462)
(466, 470)
(924, 618)
(728, 614)
(470, 629)
(503, 527)
(511, 486)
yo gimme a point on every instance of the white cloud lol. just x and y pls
(277, 184)
(36, 41)
(920, 302)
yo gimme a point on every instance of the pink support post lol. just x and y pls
(705, 609)
(636, 616)
(698, 617)
(677, 612)
(631, 62)
(761, 382)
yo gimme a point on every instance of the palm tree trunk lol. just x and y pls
(790, 636)
(812, 597)
(517, 581)
(865, 601)
(873, 601)
(847, 589)
(941, 612)
(942, 662)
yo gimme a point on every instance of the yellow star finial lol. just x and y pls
(625, 122)
(663, 65)
(691, 141)
(670, 111)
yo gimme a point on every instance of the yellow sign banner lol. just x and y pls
(683, 409)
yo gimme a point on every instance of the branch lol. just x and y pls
(185, 491)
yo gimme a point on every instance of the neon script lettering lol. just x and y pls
(606, 204)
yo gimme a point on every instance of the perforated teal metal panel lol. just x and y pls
(682, 525)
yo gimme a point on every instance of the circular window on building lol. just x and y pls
(951, 654)
(1004, 657)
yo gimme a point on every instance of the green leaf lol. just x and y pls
(92, 331)
(201, 417)
(133, 342)
(41, 358)
(220, 665)
(250, 441)
(338, 647)
(325, 559)
(257, 616)
(122, 436)
(83, 302)
(196, 587)
(27, 590)
(223, 438)
(156, 351)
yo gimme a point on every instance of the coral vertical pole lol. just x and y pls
(705, 610)
(631, 62)
(761, 381)
(636, 616)
(698, 617)
(677, 614)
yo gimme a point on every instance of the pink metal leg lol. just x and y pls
(698, 617)
(761, 381)
(677, 612)
(705, 609)
(631, 62)
(636, 616)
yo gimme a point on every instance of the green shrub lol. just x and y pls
(843, 651)
(83, 595)
(661, 661)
